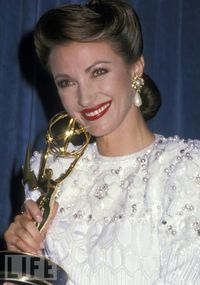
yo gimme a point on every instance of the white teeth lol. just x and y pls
(96, 112)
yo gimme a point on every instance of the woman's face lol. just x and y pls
(94, 85)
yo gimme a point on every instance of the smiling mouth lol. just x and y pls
(92, 114)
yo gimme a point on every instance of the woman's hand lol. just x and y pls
(23, 235)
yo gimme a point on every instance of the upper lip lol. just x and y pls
(97, 107)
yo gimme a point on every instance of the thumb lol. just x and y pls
(50, 219)
(33, 211)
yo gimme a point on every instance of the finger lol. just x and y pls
(23, 235)
(28, 242)
(52, 216)
(10, 236)
(33, 211)
(21, 246)
(12, 247)
(27, 231)
(25, 247)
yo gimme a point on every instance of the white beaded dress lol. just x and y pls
(130, 220)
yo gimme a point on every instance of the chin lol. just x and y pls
(98, 132)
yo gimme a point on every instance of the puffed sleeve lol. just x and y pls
(180, 221)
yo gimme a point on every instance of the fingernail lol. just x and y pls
(39, 218)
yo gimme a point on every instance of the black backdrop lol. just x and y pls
(28, 99)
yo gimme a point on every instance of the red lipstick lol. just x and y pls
(92, 114)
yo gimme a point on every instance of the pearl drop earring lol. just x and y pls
(137, 84)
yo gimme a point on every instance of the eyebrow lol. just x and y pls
(95, 63)
(86, 70)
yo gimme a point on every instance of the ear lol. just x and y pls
(138, 67)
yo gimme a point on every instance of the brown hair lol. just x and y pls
(113, 21)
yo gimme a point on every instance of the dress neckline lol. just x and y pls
(145, 151)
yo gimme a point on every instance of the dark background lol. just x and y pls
(28, 99)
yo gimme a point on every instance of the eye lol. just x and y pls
(63, 83)
(99, 72)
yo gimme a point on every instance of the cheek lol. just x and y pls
(66, 101)
(124, 94)
(69, 106)
(122, 84)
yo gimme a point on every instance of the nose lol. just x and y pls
(86, 96)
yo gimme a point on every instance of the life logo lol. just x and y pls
(23, 267)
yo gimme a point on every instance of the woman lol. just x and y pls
(129, 211)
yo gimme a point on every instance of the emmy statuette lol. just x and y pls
(24, 268)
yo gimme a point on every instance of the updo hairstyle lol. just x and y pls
(113, 21)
